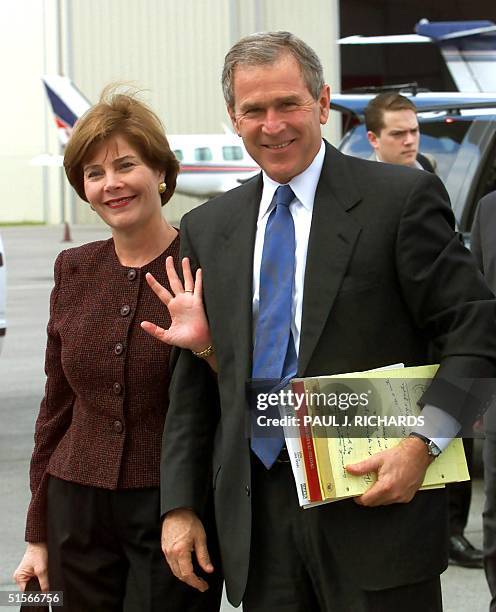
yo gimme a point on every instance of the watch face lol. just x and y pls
(433, 449)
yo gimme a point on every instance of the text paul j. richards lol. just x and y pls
(342, 420)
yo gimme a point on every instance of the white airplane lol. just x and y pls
(210, 163)
(468, 48)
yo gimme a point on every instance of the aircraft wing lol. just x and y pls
(47, 159)
(468, 48)
(384, 40)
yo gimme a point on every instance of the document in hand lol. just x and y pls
(334, 421)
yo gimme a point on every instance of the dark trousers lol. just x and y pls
(104, 553)
(292, 568)
(460, 495)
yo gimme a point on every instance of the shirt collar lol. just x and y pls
(415, 165)
(304, 185)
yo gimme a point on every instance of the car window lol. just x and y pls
(439, 138)
(355, 143)
(471, 175)
(442, 140)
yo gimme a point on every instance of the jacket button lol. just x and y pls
(131, 274)
(247, 490)
(117, 388)
(125, 310)
(119, 348)
(118, 427)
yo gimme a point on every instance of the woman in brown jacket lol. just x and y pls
(93, 525)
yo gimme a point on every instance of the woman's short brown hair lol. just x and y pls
(124, 115)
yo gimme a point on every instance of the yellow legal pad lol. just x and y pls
(389, 393)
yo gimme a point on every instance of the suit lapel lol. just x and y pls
(237, 258)
(333, 235)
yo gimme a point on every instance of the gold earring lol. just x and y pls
(162, 187)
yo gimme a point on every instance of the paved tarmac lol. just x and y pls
(30, 253)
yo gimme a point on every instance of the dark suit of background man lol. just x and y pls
(379, 274)
(393, 133)
(484, 251)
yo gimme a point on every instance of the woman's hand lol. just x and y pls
(189, 326)
(33, 563)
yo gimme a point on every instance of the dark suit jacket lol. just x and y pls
(100, 422)
(385, 274)
(426, 163)
(483, 246)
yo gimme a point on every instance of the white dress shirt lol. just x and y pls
(416, 164)
(301, 208)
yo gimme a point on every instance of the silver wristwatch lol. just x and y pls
(433, 449)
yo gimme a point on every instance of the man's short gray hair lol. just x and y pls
(266, 48)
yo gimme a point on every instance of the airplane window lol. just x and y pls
(232, 153)
(203, 154)
(179, 154)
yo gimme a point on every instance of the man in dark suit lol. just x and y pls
(393, 131)
(377, 272)
(484, 251)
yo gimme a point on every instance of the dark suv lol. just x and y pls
(458, 130)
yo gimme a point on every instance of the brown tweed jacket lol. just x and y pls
(100, 422)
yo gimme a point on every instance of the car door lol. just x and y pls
(472, 173)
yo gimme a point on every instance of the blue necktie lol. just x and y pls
(274, 354)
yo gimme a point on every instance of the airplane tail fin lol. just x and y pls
(469, 49)
(67, 103)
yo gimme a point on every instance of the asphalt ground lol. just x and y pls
(30, 253)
